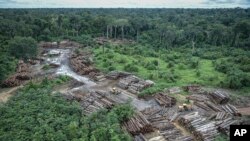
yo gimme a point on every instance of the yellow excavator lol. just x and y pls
(185, 107)
(115, 91)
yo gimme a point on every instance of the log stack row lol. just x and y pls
(97, 76)
(159, 115)
(164, 100)
(224, 125)
(81, 64)
(198, 97)
(134, 84)
(161, 119)
(209, 106)
(140, 137)
(221, 116)
(231, 109)
(114, 75)
(23, 73)
(171, 133)
(219, 97)
(93, 101)
(192, 88)
(138, 124)
(201, 128)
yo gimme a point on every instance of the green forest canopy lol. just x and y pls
(37, 114)
(203, 33)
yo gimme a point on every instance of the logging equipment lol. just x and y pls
(115, 91)
(185, 107)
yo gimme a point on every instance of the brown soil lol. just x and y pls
(5, 94)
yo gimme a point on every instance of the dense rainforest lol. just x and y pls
(221, 36)
(172, 47)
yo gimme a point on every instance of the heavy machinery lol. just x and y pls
(185, 107)
(115, 91)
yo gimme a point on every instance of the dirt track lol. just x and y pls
(7, 93)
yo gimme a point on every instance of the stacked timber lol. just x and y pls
(212, 106)
(231, 109)
(224, 125)
(114, 75)
(198, 97)
(138, 124)
(185, 138)
(161, 119)
(92, 101)
(192, 88)
(202, 106)
(157, 138)
(140, 137)
(125, 82)
(23, 73)
(159, 116)
(164, 100)
(97, 76)
(171, 133)
(134, 84)
(221, 115)
(201, 128)
(81, 64)
(219, 97)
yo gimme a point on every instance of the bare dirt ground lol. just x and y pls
(5, 94)
(245, 111)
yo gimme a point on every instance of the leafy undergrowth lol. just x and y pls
(34, 113)
(166, 68)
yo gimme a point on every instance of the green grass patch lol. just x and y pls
(166, 67)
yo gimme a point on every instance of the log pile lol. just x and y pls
(219, 97)
(185, 138)
(158, 116)
(93, 101)
(164, 100)
(125, 82)
(192, 88)
(161, 119)
(157, 138)
(221, 115)
(140, 137)
(231, 109)
(201, 128)
(114, 75)
(202, 106)
(97, 76)
(227, 108)
(23, 73)
(198, 97)
(171, 133)
(138, 124)
(134, 84)
(82, 65)
(96, 101)
(224, 125)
